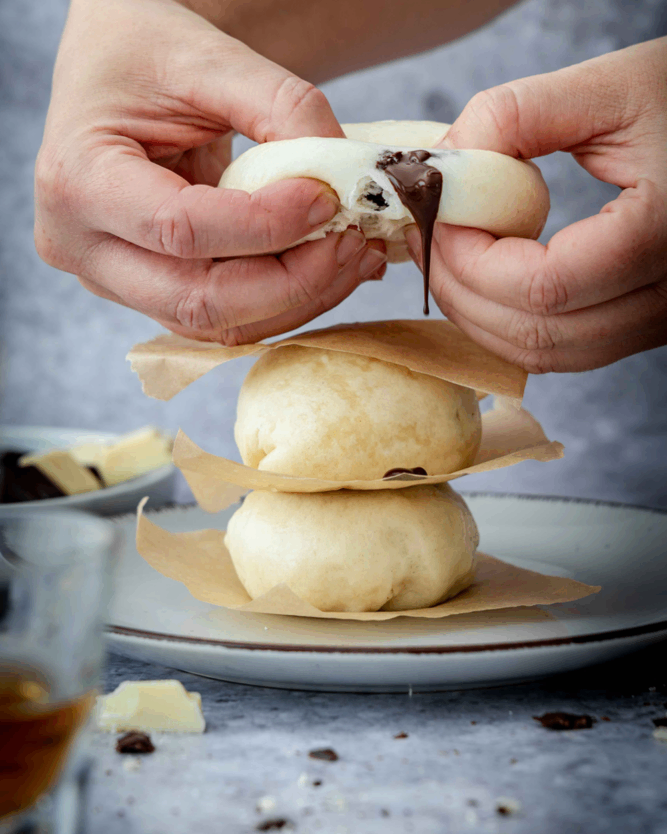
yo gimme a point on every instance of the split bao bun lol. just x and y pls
(391, 550)
(315, 413)
(481, 189)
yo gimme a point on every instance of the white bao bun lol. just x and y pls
(481, 189)
(394, 550)
(316, 413)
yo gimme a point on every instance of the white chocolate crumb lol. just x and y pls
(266, 804)
(132, 764)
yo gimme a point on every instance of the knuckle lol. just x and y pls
(498, 106)
(531, 333)
(536, 362)
(48, 250)
(546, 293)
(172, 230)
(196, 311)
(294, 97)
(58, 189)
(300, 290)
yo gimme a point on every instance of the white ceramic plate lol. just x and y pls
(122, 498)
(622, 548)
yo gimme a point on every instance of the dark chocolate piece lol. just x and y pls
(135, 742)
(28, 483)
(23, 483)
(660, 722)
(326, 754)
(273, 824)
(419, 187)
(401, 735)
(565, 721)
(418, 470)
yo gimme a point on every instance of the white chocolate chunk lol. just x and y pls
(133, 454)
(64, 471)
(161, 706)
(660, 733)
(88, 454)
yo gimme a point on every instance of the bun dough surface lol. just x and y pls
(316, 413)
(481, 189)
(393, 550)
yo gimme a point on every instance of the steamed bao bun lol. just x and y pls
(395, 549)
(326, 414)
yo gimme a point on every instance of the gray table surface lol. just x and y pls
(465, 753)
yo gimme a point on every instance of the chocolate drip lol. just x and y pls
(419, 187)
(418, 470)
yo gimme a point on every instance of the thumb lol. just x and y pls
(263, 100)
(556, 111)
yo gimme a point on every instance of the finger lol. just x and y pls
(566, 360)
(553, 111)
(600, 325)
(590, 262)
(204, 299)
(136, 200)
(259, 98)
(344, 284)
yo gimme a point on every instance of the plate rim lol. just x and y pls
(475, 648)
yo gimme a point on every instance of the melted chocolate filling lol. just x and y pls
(419, 187)
(418, 470)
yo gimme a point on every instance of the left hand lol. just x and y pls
(597, 292)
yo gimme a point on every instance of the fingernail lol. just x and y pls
(413, 241)
(378, 275)
(350, 244)
(323, 209)
(372, 260)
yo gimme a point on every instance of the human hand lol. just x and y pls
(146, 96)
(597, 292)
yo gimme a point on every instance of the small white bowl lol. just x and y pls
(121, 498)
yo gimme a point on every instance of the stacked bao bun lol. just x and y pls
(316, 413)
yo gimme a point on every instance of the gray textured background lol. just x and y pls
(62, 349)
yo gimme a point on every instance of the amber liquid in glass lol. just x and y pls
(35, 737)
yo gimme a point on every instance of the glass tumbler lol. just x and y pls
(55, 572)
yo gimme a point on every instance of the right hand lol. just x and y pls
(146, 97)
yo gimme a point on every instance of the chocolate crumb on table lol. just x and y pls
(506, 806)
(135, 742)
(273, 824)
(326, 754)
(565, 721)
(401, 735)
